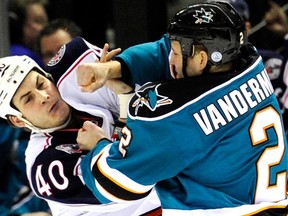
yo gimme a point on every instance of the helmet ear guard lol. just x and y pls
(214, 24)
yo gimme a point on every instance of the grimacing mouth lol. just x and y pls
(53, 106)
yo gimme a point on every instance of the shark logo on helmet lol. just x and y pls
(203, 16)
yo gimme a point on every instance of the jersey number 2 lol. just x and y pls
(270, 157)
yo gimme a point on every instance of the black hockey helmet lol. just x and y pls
(214, 24)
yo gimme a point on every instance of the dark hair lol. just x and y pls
(61, 23)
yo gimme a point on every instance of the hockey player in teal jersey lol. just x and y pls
(211, 141)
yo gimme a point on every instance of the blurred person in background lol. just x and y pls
(263, 36)
(58, 32)
(26, 19)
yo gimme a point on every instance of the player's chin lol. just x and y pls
(178, 75)
(175, 74)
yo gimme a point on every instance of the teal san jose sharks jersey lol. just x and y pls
(208, 142)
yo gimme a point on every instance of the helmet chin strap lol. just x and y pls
(184, 66)
(186, 53)
(33, 128)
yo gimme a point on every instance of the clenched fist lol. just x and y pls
(89, 135)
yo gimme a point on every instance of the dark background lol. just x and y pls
(133, 22)
(138, 21)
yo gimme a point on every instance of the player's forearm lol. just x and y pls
(114, 69)
(117, 79)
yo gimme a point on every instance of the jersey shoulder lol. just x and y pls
(67, 55)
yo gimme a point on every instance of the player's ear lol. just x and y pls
(17, 122)
(203, 59)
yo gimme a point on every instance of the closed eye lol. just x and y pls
(27, 99)
(40, 85)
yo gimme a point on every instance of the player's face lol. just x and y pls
(39, 101)
(50, 44)
(194, 64)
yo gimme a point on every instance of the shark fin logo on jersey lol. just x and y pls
(150, 98)
(58, 56)
(203, 16)
(69, 148)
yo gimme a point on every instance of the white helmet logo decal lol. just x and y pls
(203, 17)
(3, 68)
(216, 56)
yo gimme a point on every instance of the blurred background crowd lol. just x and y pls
(125, 23)
(38, 28)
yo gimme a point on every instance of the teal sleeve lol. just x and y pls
(147, 62)
(87, 170)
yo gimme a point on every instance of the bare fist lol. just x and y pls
(89, 135)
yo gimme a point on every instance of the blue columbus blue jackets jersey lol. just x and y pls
(53, 159)
(211, 145)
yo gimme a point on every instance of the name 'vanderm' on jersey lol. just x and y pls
(235, 103)
(210, 100)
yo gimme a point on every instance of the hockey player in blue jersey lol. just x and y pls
(210, 141)
(53, 107)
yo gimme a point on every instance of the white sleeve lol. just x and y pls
(285, 74)
(132, 208)
(69, 89)
(284, 98)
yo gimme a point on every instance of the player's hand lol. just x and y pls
(89, 135)
(107, 56)
(92, 76)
